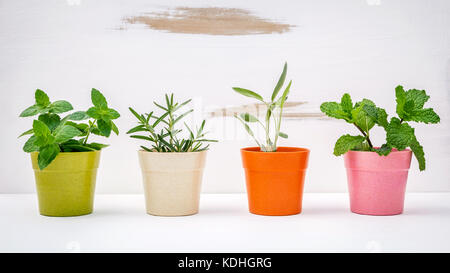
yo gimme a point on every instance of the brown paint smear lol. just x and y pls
(292, 111)
(210, 21)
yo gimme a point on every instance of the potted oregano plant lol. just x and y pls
(172, 163)
(65, 162)
(377, 175)
(274, 175)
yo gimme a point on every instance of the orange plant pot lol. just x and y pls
(275, 180)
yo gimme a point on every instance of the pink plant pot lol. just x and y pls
(377, 183)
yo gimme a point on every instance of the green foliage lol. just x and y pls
(365, 115)
(52, 134)
(161, 132)
(270, 144)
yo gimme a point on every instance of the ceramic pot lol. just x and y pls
(377, 183)
(66, 187)
(275, 179)
(172, 182)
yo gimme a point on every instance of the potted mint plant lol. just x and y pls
(377, 176)
(172, 163)
(64, 161)
(274, 175)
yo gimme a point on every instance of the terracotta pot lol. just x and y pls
(275, 179)
(66, 187)
(377, 183)
(172, 182)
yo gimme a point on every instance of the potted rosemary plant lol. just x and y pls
(64, 161)
(274, 175)
(172, 165)
(377, 176)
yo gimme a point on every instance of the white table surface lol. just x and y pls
(119, 224)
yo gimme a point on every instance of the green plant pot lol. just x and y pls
(66, 187)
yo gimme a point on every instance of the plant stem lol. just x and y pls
(89, 132)
(365, 135)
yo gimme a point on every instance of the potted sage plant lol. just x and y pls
(64, 161)
(172, 163)
(274, 175)
(377, 175)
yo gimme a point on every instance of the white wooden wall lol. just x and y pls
(365, 47)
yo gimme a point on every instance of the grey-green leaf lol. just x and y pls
(248, 93)
(280, 82)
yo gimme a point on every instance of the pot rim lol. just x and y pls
(183, 153)
(394, 150)
(68, 153)
(256, 149)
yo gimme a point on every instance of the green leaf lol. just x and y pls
(41, 98)
(30, 111)
(400, 96)
(30, 145)
(417, 149)
(139, 117)
(94, 113)
(79, 115)
(98, 100)
(399, 135)
(346, 103)
(29, 132)
(424, 115)
(61, 106)
(51, 120)
(104, 127)
(40, 128)
(384, 150)
(97, 146)
(141, 137)
(361, 118)
(334, 110)
(47, 154)
(114, 128)
(248, 93)
(283, 135)
(280, 82)
(66, 133)
(139, 128)
(248, 117)
(346, 143)
(418, 97)
(113, 114)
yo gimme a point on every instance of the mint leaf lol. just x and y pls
(334, 110)
(104, 127)
(41, 98)
(94, 113)
(361, 117)
(346, 103)
(61, 106)
(51, 120)
(28, 132)
(113, 114)
(98, 100)
(66, 133)
(418, 97)
(417, 149)
(346, 143)
(400, 96)
(40, 128)
(30, 111)
(30, 145)
(399, 135)
(424, 115)
(385, 149)
(47, 154)
(79, 115)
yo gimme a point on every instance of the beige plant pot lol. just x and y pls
(172, 182)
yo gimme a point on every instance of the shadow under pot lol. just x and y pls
(377, 183)
(172, 182)
(66, 187)
(275, 180)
